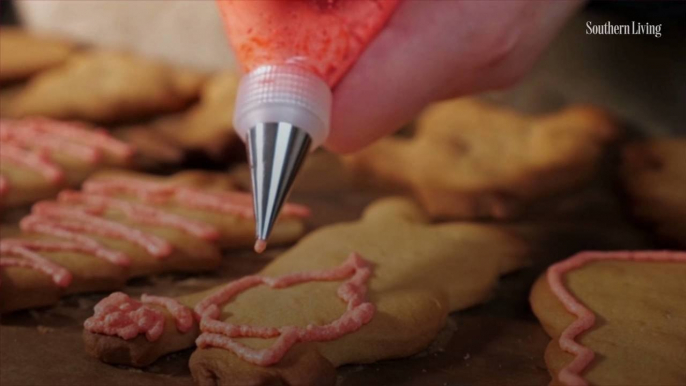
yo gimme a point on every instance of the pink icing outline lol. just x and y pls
(570, 375)
(219, 334)
(120, 315)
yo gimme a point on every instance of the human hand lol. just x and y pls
(433, 50)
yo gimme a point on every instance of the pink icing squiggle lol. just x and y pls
(233, 203)
(359, 312)
(116, 258)
(570, 375)
(32, 160)
(46, 226)
(20, 256)
(30, 142)
(79, 220)
(88, 143)
(141, 213)
(119, 315)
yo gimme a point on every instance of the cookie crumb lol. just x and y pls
(44, 329)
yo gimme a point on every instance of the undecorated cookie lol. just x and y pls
(23, 54)
(654, 173)
(106, 86)
(208, 126)
(470, 159)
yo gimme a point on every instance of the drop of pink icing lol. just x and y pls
(260, 245)
(570, 375)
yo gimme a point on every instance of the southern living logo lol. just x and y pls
(624, 29)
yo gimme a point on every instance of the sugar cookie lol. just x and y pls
(654, 173)
(470, 159)
(124, 225)
(616, 318)
(41, 156)
(104, 86)
(23, 54)
(357, 292)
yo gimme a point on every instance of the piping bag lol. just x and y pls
(293, 53)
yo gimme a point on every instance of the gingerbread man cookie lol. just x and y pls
(124, 225)
(105, 86)
(23, 54)
(41, 156)
(654, 173)
(616, 318)
(357, 292)
(470, 159)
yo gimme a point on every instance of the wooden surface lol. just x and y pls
(496, 343)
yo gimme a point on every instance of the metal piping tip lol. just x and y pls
(276, 151)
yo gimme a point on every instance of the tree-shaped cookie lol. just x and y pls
(357, 292)
(654, 173)
(469, 159)
(615, 318)
(122, 225)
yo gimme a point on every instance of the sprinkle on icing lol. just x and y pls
(570, 375)
(216, 333)
(119, 315)
(15, 254)
(29, 143)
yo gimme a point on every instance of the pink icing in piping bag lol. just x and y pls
(570, 375)
(294, 53)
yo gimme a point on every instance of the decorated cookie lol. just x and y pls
(654, 173)
(106, 86)
(615, 318)
(39, 157)
(122, 225)
(357, 292)
(470, 159)
(23, 54)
